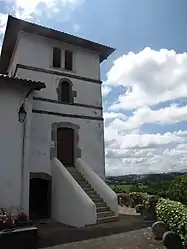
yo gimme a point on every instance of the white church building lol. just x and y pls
(51, 126)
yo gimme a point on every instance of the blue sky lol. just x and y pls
(144, 81)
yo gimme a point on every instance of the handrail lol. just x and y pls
(105, 192)
(70, 204)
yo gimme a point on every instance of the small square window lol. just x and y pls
(68, 60)
(57, 57)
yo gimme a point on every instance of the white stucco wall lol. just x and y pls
(11, 137)
(36, 51)
(87, 92)
(73, 206)
(27, 155)
(90, 142)
(15, 58)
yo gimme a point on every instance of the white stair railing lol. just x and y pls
(70, 204)
(105, 192)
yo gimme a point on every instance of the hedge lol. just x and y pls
(135, 198)
(131, 199)
(174, 214)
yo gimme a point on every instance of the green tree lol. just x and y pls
(178, 189)
(135, 188)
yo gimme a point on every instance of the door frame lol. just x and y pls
(44, 176)
(75, 127)
(73, 154)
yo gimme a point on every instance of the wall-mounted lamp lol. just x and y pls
(22, 114)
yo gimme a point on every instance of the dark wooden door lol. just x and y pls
(65, 146)
(39, 198)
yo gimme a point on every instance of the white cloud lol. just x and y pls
(29, 10)
(145, 115)
(105, 90)
(3, 21)
(116, 139)
(150, 76)
(133, 152)
(113, 115)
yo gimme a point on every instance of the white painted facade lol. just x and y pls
(11, 144)
(35, 50)
(83, 209)
(36, 153)
(91, 138)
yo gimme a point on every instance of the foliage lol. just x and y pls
(141, 179)
(135, 198)
(124, 188)
(174, 214)
(119, 188)
(138, 188)
(123, 199)
(152, 188)
(178, 189)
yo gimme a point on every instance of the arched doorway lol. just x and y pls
(39, 198)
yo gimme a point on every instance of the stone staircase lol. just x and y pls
(104, 214)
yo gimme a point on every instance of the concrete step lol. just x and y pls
(103, 209)
(96, 199)
(79, 179)
(100, 204)
(72, 170)
(94, 196)
(105, 214)
(107, 219)
(87, 189)
(84, 185)
(82, 182)
(90, 192)
(75, 173)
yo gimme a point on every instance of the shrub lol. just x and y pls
(142, 198)
(150, 201)
(119, 188)
(136, 198)
(123, 199)
(174, 214)
(150, 206)
(178, 189)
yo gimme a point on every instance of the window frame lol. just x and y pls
(60, 53)
(72, 59)
(60, 89)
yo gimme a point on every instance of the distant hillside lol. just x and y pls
(144, 178)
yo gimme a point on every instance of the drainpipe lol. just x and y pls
(25, 104)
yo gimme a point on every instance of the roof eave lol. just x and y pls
(14, 26)
(35, 85)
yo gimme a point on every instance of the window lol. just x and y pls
(56, 57)
(65, 93)
(68, 60)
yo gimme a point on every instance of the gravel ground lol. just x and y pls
(137, 239)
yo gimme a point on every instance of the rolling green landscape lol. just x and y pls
(153, 184)
(162, 197)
